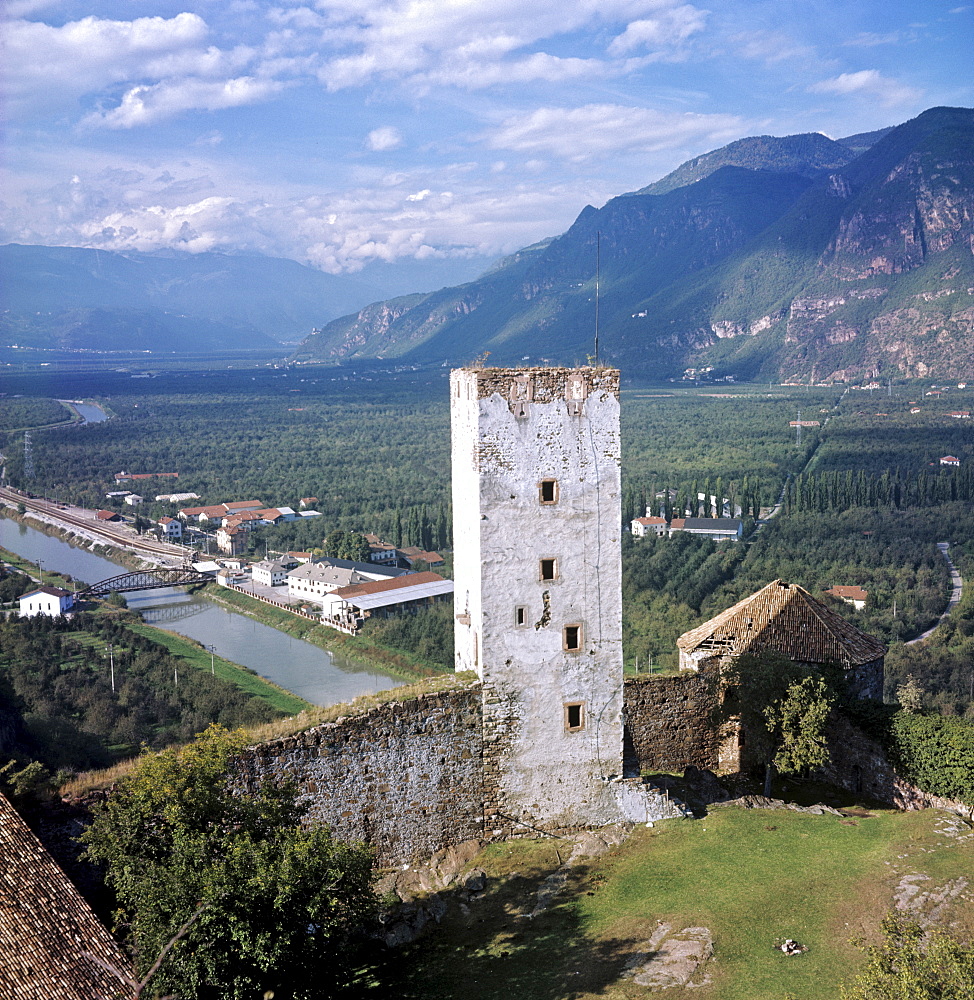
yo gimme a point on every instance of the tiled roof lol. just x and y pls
(50, 591)
(851, 593)
(46, 927)
(787, 619)
(382, 586)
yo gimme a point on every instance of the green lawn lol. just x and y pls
(750, 876)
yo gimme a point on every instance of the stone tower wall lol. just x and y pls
(513, 431)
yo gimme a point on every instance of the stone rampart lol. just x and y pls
(668, 723)
(407, 777)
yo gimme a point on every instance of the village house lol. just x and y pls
(950, 460)
(132, 500)
(413, 554)
(50, 601)
(643, 526)
(315, 579)
(307, 502)
(855, 596)
(171, 527)
(106, 515)
(272, 572)
(381, 552)
(232, 541)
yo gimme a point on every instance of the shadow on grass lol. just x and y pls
(490, 947)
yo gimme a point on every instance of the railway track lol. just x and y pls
(117, 536)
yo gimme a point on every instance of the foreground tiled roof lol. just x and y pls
(787, 619)
(46, 927)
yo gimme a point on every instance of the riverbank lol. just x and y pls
(78, 537)
(355, 647)
(247, 680)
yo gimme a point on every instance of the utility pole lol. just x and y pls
(212, 650)
(111, 660)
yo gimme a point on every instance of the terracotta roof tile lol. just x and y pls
(787, 619)
(46, 927)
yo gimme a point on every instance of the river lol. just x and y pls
(318, 676)
(89, 413)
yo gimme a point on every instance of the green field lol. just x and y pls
(751, 877)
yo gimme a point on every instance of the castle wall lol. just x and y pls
(667, 722)
(407, 777)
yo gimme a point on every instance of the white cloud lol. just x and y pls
(49, 66)
(145, 105)
(381, 139)
(659, 34)
(480, 43)
(599, 130)
(869, 39)
(770, 47)
(869, 82)
(419, 195)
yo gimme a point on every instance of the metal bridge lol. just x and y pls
(151, 579)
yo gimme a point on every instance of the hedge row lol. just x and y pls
(935, 752)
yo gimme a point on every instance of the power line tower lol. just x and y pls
(28, 457)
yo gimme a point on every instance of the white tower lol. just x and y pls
(537, 523)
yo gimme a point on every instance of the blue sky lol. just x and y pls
(341, 133)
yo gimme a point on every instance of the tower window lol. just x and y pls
(548, 569)
(574, 716)
(571, 636)
(520, 616)
(548, 491)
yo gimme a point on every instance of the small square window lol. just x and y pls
(572, 637)
(548, 491)
(548, 569)
(520, 616)
(574, 716)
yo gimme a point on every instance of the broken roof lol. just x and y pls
(50, 938)
(784, 618)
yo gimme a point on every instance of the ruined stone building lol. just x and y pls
(785, 618)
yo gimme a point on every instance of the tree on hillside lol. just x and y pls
(911, 964)
(347, 545)
(271, 908)
(782, 708)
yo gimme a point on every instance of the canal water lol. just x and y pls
(89, 413)
(318, 676)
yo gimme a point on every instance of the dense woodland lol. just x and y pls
(866, 499)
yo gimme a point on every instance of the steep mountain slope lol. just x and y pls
(808, 154)
(244, 300)
(543, 298)
(798, 258)
(872, 270)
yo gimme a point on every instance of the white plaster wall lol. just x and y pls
(501, 532)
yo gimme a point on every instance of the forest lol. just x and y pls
(865, 498)
(86, 692)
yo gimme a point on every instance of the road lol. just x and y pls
(956, 593)
(79, 520)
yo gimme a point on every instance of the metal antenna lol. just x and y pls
(798, 429)
(28, 457)
(598, 275)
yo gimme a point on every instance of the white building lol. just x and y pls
(313, 580)
(51, 601)
(382, 598)
(538, 599)
(272, 572)
(133, 500)
(172, 528)
(643, 526)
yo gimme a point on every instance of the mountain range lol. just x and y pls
(74, 298)
(796, 256)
